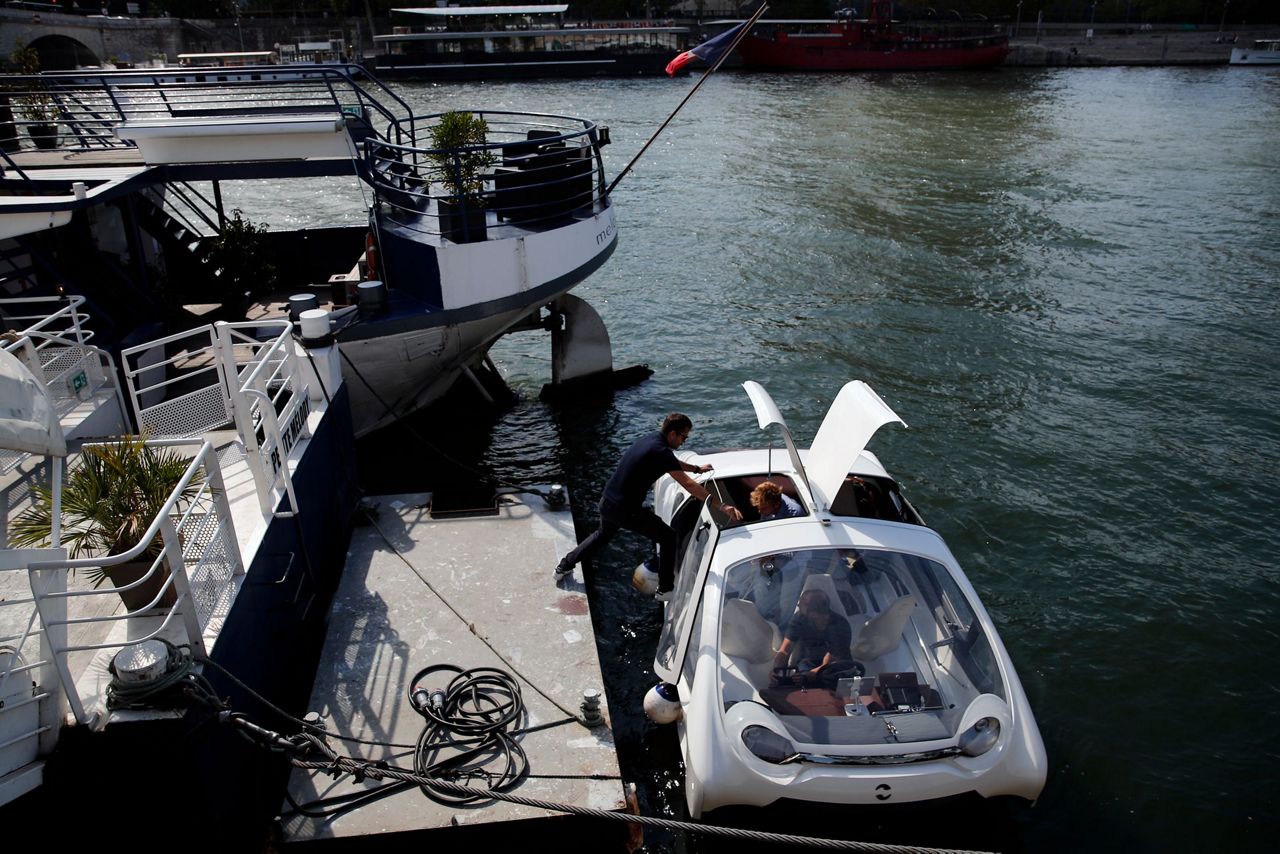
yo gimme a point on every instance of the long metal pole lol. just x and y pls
(750, 23)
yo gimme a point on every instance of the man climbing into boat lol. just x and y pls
(622, 504)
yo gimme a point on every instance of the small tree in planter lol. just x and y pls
(457, 138)
(33, 101)
(109, 501)
(241, 254)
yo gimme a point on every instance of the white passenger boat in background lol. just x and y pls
(1261, 52)
(927, 704)
(126, 209)
(520, 42)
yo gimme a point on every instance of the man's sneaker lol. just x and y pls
(562, 572)
(663, 596)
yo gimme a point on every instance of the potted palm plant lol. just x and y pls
(109, 501)
(457, 140)
(33, 101)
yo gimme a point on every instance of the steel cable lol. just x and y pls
(335, 764)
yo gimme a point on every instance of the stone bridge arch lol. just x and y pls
(61, 53)
(63, 40)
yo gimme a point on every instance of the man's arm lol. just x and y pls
(783, 654)
(701, 493)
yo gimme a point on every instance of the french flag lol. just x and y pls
(709, 51)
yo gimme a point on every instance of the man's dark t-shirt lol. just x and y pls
(813, 643)
(643, 463)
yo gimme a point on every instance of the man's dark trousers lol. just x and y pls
(643, 521)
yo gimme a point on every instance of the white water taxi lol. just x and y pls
(923, 702)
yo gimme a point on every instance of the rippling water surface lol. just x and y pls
(1066, 283)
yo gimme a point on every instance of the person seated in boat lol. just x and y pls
(819, 638)
(772, 503)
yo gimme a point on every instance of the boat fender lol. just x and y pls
(645, 578)
(662, 704)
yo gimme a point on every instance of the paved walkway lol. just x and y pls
(1137, 48)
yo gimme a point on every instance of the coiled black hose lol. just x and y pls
(470, 727)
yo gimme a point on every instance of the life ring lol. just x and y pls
(371, 255)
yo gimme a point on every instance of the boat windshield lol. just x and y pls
(905, 653)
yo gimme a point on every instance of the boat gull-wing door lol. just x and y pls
(682, 610)
(854, 417)
(767, 415)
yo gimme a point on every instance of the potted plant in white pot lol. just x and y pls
(32, 100)
(109, 500)
(457, 140)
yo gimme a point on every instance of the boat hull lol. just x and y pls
(407, 359)
(799, 53)
(519, 65)
(1248, 56)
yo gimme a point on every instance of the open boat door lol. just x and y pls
(854, 417)
(767, 415)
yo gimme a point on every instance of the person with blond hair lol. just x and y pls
(772, 503)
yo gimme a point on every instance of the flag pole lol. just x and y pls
(746, 29)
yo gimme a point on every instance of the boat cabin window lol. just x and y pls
(916, 654)
(737, 491)
(872, 498)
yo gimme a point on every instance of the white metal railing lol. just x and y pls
(199, 552)
(31, 697)
(59, 316)
(49, 336)
(271, 404)
(224, 374)
(180, 395)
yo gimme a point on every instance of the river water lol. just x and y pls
(1065, 281)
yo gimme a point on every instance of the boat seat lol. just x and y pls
(883, 632)
(865, 496)
(825, 583)
(749, 639)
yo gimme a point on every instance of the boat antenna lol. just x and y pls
(746, 28)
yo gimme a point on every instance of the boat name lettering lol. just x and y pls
(607, 234)
(289, 437)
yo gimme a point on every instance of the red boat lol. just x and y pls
(870, 44)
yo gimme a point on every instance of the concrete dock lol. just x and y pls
(474, 591)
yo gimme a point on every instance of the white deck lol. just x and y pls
(386, 624)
